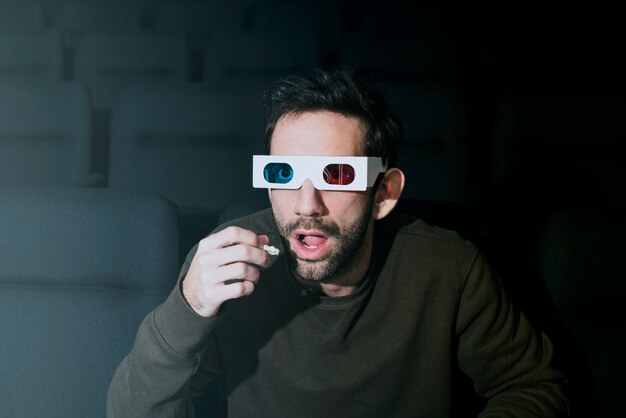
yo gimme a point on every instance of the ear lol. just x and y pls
(388, 192)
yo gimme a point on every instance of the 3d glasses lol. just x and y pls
(325, 172)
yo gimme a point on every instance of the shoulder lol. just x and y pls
(419, 229)
(411, 232)
(417, 247)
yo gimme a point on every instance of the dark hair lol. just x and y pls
(341, 92)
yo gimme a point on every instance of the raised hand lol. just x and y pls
(224, 267)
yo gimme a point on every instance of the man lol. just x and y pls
(363, 313)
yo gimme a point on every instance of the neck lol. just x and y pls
(337, 288)
(334, 290)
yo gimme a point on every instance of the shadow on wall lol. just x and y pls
(518, 215)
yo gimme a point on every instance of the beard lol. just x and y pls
(347, 252)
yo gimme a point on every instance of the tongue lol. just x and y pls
(313, 240)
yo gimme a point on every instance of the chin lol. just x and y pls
(318, 271)
(307, 273)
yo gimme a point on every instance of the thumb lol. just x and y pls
(263, 240)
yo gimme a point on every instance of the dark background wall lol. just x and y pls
(496, 99)
(512, 112)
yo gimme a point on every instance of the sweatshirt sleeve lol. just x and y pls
(173, 351)
(509, 360)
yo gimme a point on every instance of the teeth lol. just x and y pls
(310, 247)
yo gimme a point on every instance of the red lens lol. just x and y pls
(339, 174)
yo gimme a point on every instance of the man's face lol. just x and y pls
(329, 232)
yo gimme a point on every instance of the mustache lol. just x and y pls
(328, 229)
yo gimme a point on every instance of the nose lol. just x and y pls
(309, 202)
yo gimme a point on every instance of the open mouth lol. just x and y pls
(311, 242)
(310, 245)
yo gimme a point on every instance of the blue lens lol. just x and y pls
(279, 173)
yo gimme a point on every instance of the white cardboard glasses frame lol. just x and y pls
(366, 170)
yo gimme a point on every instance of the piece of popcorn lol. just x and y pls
(271, 250)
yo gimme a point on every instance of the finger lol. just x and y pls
(233, 254)
(229, 236)
(234, 290)
(236, 271)
(263, 240)
(241, 252)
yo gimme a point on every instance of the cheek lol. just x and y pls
(346, 205)
(282, 202)
(342, 207)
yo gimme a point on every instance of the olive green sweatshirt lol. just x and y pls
(430, 310)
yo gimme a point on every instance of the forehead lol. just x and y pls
(318, 133)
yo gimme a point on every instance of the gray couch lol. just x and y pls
(79, 270)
